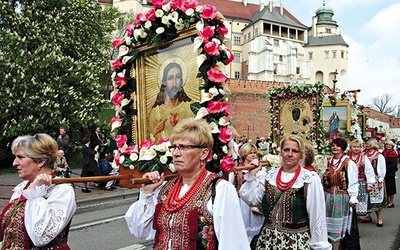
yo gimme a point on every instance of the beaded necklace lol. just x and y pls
(173, 203)
(356, 159)
(283, 186)
(336, 165)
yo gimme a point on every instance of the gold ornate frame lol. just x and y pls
(150, 63)
(343, 110)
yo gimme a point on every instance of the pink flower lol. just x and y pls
(146, 144)
(120, 81)
(115, 119)
(211, 48)
(176, 4)
(116, 159)
(221, 29)
(162, 140)
(121, 140)
(230, 57)
(207, 33)
(132, 149)
(227, 109)
(117, 42)
(216, 75)
(225, 135)
(139, 19)
(158, 3)
(117, 99)
(150, 15)
(209, 12)
(189, 4)
(117, 64)
(129, 29)
(215, 107)
(227, 164)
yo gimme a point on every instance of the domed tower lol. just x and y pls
(327, 52)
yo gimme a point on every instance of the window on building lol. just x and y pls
(256, 32)
(280, 58)
(328, 30)
(310, 55)
(275, 68)
(237, 57)
(244, 38)
(298, 70)
(237, 40)
(333, 53)
(326, 54)
(276, 42)
(249, 35)
(342, 54)
(237, 74)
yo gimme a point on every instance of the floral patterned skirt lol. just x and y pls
(337, 215)
(272, 239)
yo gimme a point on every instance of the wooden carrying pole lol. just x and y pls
(133, 182)
(129, 180)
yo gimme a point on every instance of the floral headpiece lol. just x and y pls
(156, 26)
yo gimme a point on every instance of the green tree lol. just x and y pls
(52, 53)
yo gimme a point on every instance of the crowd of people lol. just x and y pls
(293, 205)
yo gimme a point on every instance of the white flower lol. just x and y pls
(189, 12)
(143, 34)
(147, 24)
(160, 30)
(125, 102)
(223, 121)
(165, 20)
(123, 50)
(131, 166)
(163, 159)
(201, 113)
(147, 155)
(128, 40)
(213, 91)
(136, 33)
(159, 13)
(121, 159)
(133, 157)
(205, 97)
(200, 25)
(172, 167)
(173, 16)
(125, 59)
(179, 26)
(200, 59)
(225, 149)
(166, 7)
(214, 128)
(115, 125)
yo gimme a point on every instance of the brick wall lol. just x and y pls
(250, 107)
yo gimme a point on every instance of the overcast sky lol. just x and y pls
(372, 30)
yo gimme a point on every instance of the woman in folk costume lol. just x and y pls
(292, 200)
(377, 195)
(340, 182)
(252, 218)
(196, 210)
(366, 176)
(391, 158)
(39, 213)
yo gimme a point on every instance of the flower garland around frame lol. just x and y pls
(158, 25)
(291, 91)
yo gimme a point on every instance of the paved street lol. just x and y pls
(372, 237)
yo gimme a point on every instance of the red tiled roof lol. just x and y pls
(231, 9)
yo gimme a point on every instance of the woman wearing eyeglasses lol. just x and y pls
(292, 200)
(39, 213)
(198, 209)
(252, 217)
